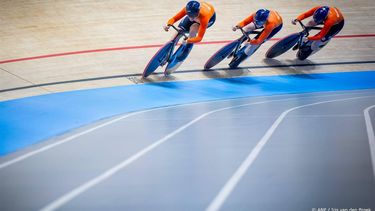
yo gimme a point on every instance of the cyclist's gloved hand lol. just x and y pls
(235, 28)
(183, 41)
(169, 24)
(294, 22)
(166, 27)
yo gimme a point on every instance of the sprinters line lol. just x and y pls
(144, 47)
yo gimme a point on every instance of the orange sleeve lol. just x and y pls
(267, 31)
(201, 32)
(307, 14)
(177, 17)
(327, 26)
(246, 21)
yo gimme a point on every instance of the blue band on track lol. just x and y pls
(27, 121)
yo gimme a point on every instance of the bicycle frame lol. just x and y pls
(305, 33)
(242, 39)
(293, 41)
(231, 49)
(163, 55)
(180, 33)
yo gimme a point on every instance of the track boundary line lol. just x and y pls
(72, 137)
(107, 174)
(58, 203)
(231, 184)
(371, 135)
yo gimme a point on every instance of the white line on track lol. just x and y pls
(70, 138)
(84, 187)
(107, 174)
(224, 193)
(55, 144)
(370, 134)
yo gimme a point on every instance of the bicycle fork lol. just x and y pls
(234, 52)
(169, 53)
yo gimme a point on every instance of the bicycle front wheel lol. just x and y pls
(283, 45)
(221, 54)
(157, 59)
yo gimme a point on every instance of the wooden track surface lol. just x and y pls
(33, 28)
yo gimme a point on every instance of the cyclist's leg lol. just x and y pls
(334, 30)
(212, 20)
(192, 28)
(311, 23)
(249, 28)
(274, 32)
(186, 47)
(185, 24)
(317, 45)
(250, 49)
(183, 51)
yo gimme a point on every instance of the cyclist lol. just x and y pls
(268, 20)
(332, 20)
(199, 16)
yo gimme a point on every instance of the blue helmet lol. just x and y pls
(192, 9)
(261, 17)
(321, 14)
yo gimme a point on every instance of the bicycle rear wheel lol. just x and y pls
(283, 45)
(304, 52)
(238, 59)
(221, 54)
(157, 59)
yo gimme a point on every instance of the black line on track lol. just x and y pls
(186, 71)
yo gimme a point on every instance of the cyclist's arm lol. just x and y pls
(327, 26)
(201, 32)
(246, 21)
(177, 17)
(307, 14)
(266, 32)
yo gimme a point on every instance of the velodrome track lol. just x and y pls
(292, 152)
(80, 130)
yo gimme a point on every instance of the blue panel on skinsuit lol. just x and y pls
(26, 121)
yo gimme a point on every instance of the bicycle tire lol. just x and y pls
(282, 45)
(303, 53)
(220, 55)
(156, 60)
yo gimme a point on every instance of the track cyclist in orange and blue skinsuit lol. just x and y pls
(200, 15)
(332, 20)
(269, 20)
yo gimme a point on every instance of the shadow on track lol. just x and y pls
(209, 74)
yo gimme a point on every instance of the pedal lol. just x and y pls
(237, 60)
